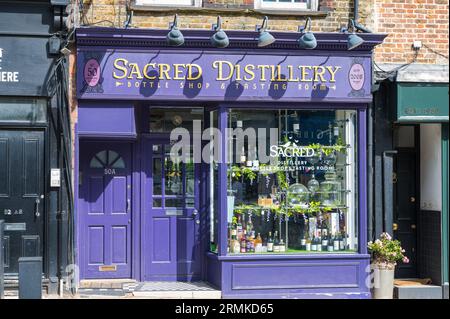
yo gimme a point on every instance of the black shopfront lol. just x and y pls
(34, 139)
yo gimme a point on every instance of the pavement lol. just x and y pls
(126, 289)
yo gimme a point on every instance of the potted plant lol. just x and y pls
(385, 252)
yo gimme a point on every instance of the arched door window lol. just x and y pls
(107, 159)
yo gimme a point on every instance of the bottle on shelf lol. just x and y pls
(319, 242)
(314, 243)
(252, 241)
(346, 242)
(243, 243)
(303, 241)
(249, 226)
(239, 228)
(258, 243)
(330, 247)
(324, 236)
(308, 245)
(336, 242)
(249, 243)
(282, 246)
(233, 238)
(276, 243)
(341, 242)
(235, 245)
(270, 243)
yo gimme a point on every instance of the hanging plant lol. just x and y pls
(249, 174)
(282, 180)
(235, 172)
(328, 150)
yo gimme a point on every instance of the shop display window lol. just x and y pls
(295, 192)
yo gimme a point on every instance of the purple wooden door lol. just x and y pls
(105, 210)
(172, 222)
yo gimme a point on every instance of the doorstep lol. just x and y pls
(416, 290)
(100, 289)
(176, 290)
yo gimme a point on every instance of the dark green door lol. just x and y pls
(21, 194)
(405, 209)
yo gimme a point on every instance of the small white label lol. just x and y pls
(55, 177)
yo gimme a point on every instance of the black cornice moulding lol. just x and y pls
(147, 38)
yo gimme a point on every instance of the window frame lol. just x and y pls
(311, 5)
(358, 218)
(168, 3)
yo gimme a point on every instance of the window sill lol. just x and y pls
(187, 9)
(346, 255)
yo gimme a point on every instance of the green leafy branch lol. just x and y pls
(327, 150)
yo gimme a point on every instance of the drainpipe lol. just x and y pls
(355, 10)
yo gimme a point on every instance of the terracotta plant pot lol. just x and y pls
(383, 285)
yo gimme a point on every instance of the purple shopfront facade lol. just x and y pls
(122, 75)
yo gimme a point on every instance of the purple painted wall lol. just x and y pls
(103, 53)
(232, 76)
(106, 119)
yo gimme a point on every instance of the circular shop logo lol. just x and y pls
(356, 76)
(92, 72)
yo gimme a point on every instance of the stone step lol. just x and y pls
(178, 294)
(418, 292)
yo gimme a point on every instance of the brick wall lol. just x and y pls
(409, 20)
(241, 18)
(236, 14)
(404, 21)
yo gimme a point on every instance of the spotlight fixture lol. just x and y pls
(353, 40)
(264, 38)
(54, 45)
(175, 37)
(219, 39)
(362, 28)
(307, 40)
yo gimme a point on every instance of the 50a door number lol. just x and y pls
(8, 212)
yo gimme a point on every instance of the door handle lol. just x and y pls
(128, 204)
(412, 199)
(394, 226)
(36, 207)
(413, 226)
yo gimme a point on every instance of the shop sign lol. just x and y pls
(291, 150)
(422, 102)
(291, 157)
(5, 75)
(206, 75)
(24, 66)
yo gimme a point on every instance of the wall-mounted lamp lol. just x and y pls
(175, 37)
(307, 40)
(219, 39)
(353, 40)
(264, 38)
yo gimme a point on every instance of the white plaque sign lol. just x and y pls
(55, 177)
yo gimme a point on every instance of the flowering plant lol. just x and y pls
(386, 252)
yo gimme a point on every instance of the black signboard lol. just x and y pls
(24, 65)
